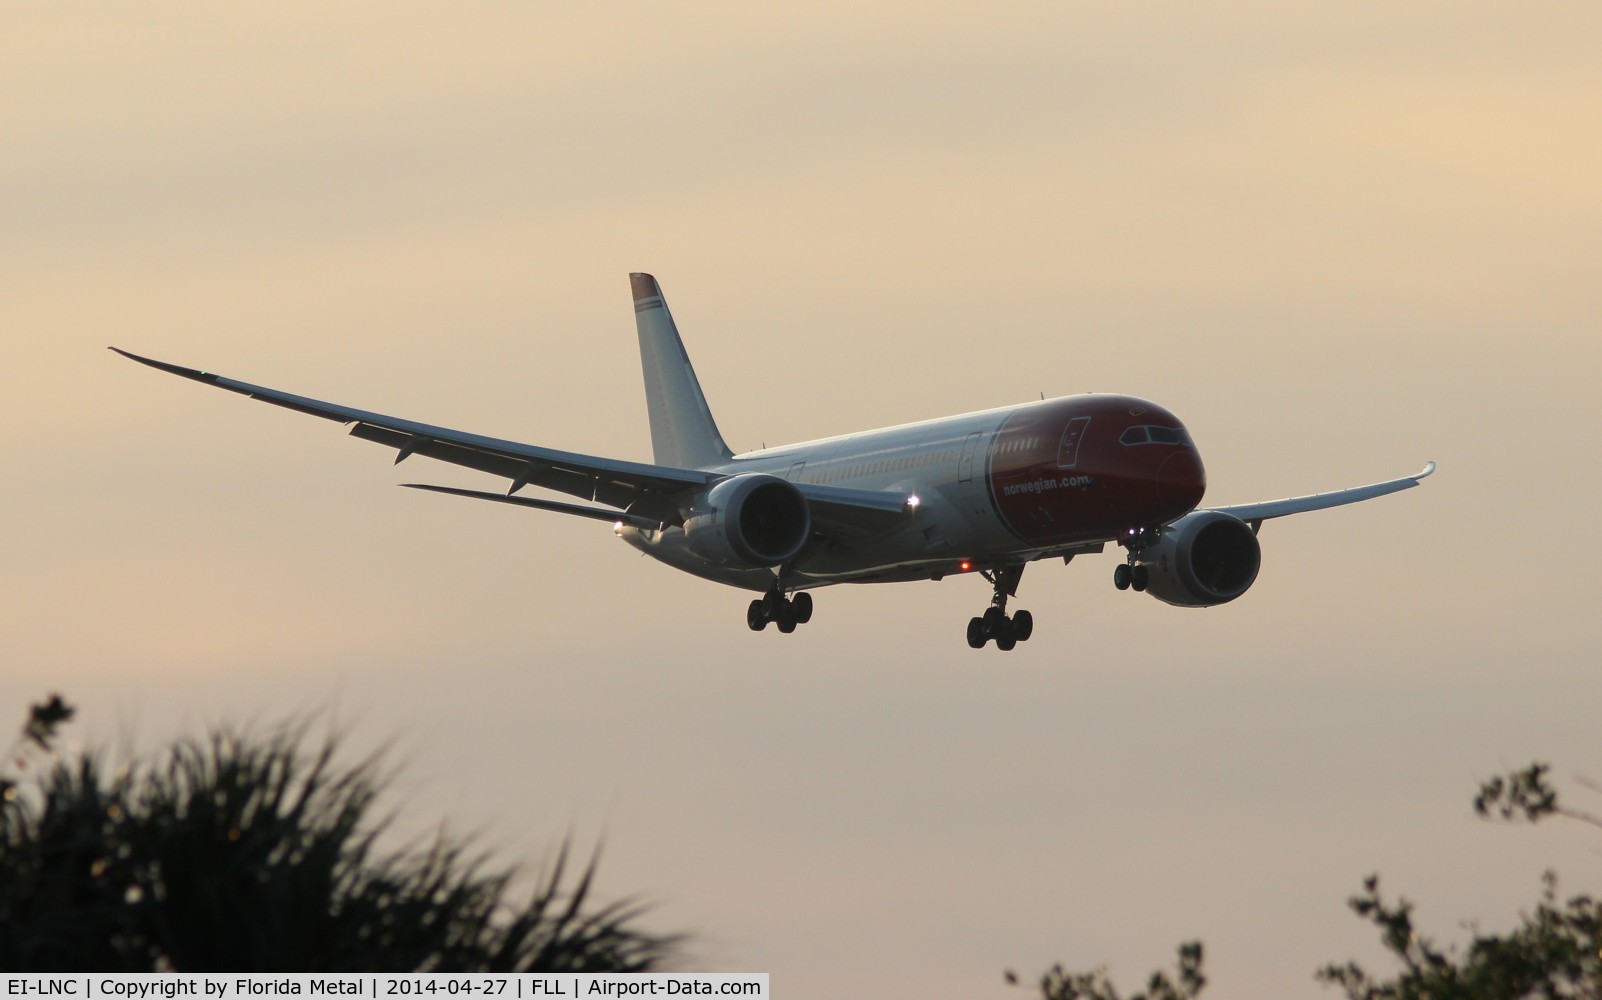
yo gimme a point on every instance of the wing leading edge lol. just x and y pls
(644, 495)
(1256, 513)
(649, 491)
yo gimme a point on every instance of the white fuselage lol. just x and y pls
(984, 482)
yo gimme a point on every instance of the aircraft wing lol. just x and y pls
(1256, 513)
(647, 491)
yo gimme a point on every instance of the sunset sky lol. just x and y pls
(1338, 240)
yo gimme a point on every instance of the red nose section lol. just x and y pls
(1181, 481)
(1084, 468)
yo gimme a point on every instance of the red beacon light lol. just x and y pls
(965, 566)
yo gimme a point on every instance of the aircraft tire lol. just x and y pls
(1006, 641)
(1139, 577)
(756, 616)
(802, 607)
(1122, 576)
(976, 633)
(1023, 626)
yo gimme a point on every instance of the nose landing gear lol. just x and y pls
(995, 623)
(1131, 575)
(785, 612)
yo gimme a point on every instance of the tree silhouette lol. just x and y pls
(1555, 953)
(1187, 983)
(241, 853)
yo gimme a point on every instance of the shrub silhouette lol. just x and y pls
(240, 853)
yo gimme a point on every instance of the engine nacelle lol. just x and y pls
(1205, 558)
(749, 520)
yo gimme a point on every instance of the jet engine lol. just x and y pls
(1205, 558)
(749, 520)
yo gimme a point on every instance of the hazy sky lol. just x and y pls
(1338, 240)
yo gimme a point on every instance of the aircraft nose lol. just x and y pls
(1181, 481)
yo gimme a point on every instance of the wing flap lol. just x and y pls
(575, 482)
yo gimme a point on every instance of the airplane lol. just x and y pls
(983, 493)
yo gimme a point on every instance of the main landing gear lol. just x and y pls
(785, 612)
(995, 623)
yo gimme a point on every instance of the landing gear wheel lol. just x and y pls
(785, 612)
(1123, 576)
(1139, 577)
(784, 616)
(995, 623)
(1023, 626)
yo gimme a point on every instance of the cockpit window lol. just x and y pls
(1149, 434)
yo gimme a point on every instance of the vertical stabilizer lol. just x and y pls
(683, 433)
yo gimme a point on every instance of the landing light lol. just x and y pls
(913, 501)
(617, 527)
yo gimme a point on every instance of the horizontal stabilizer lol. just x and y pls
(598, 513)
